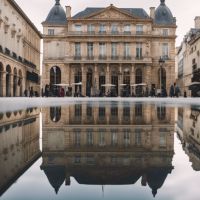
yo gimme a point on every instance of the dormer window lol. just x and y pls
(51, 32)
(139, 29)
(78, 28)
(165, 32)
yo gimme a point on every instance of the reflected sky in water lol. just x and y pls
(98, 151)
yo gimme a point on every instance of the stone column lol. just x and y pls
(107, 77)
(148, 76)
(4, 84)
(96, 80)
(132, 78)
(83, 79)
(72, 79)
(11, 84)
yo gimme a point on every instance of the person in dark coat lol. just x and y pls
(172, 90)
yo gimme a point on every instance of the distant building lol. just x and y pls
(108, 145)
(188, 62)
(19, 51)
(109, 46)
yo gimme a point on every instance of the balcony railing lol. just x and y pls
(77, 58)
(139, 58)
(114, 57)
(102, 57)
(127, 58)
(139, 32)
(90, 57)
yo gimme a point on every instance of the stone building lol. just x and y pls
(188, 59)
(109, 46)
(108, 145)
(19, 51)
(19, 144)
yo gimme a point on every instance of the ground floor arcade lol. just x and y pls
(101, 79)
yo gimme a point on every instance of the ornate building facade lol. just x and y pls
(108, 145)
(19, 50)
(109, 46)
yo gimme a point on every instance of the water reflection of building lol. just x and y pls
(108, 145)
(19, 145)
(189, 134)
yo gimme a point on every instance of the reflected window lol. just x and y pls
(89, 137)
(114, 139)
(163, 140)
(161, 113)
(89, 111)
(102, 112)
(138, 137)
(126, 137)
(114, 111)
(90, 160)
(77, 159)
(77, 138)
(138, 110)
(102, 137)
(78, 110)
(55, 114)
(126, 111)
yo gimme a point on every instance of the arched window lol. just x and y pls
(138, 80)
(55, 75)
(15, 83)
(55, 114)
(1, 80)
(20, 83)
(78, 79)
(163, 78)
(8, 81)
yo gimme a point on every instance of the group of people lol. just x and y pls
(30, 92)
(50, 91)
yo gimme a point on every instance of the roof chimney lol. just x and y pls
(68, 11)
(197, 22)
(152, 12)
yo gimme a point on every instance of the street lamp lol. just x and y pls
(161, 62)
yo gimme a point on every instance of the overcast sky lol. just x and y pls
(184, 10)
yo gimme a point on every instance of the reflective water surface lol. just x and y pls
(110, 150)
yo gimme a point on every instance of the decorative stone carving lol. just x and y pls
(13, 31)
(111, 14)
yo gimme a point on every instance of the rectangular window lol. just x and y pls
(127, 52)
(163, 139)
(90, 49)
(102, 28)
(114, 28)
(127, 28)
(114, 139)
(50, 31)
(138, 137)
(77, 49)
(102, 50)
(90, 28)
(165, 32)
(77, 138)
(139, 50)
(78, 28)
(89, 111)
(165, 51)
(139, 29)
(102, 137)
(90, 137)
(126, 137)
(114, 50)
